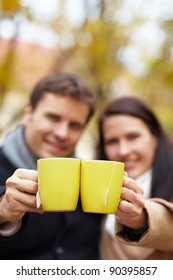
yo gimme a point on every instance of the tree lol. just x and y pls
(9, 11)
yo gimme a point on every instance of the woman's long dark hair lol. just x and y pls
(162, 178)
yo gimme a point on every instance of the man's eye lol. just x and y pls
(53, 118)
(75, 126)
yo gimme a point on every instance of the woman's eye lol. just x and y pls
(133, 136)
(111, 142)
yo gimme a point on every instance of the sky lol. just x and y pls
(47, 8)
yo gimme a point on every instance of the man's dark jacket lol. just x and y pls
(65, 236)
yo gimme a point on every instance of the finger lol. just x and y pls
(14, 210)
(27, 205)
(132, 197)
(23, 185)
(125, 206)
(131, 184)
(27, 174)
(131, 208)
(21, 197)
(28, 187)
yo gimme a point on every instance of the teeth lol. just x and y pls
(128, 163)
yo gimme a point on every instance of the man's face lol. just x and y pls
(55, 125)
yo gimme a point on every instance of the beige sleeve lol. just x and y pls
(160, 220)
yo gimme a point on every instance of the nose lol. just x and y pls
(61, 131)
(124, 149)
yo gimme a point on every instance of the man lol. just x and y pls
(54, 118)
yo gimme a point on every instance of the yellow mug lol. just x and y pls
(101, 184)
(58, 183)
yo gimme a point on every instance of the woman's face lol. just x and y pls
(129, 140)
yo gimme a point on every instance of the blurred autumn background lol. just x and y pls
(120, 47)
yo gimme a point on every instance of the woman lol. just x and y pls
(130, 132)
